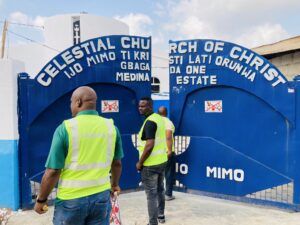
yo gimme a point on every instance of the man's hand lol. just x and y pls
(49, 180)
(116, 168)
(115, 189)
(41, 208)
(139, 166)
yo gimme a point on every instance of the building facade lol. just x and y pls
(285, 55)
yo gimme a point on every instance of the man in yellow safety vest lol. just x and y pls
(152, 160)
(170, 168)
(84, 150)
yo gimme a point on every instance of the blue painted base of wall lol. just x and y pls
(9, 174)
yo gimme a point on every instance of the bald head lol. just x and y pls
(83, 98)
(163, 111)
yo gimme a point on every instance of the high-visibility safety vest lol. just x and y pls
(168, 123)
(159, 151)
(91, 150)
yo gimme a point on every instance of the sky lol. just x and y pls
(250, 23)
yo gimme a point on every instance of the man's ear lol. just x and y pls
(79, 103)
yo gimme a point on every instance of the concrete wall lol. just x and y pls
(59, 29)
(160, 69)
(9, 179)
(288, 64)
(58, 35)
(33, 55)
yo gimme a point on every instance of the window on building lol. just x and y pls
(155, 85)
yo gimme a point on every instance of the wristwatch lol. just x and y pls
(41, 200)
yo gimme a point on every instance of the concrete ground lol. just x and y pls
(186, 209)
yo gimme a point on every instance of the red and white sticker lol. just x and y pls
(110, 106)
(213, 106)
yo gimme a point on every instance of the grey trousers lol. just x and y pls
(153, 181)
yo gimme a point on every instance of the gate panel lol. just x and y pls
(237, 112)
(238, 140)
(222, 169)
(246, 123)
(119, 83)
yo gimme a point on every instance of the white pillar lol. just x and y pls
(9, 176)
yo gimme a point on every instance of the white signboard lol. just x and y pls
(213, 106)
(110, 106)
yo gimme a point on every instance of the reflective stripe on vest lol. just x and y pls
(87, 175)
(159, 151)
(75, 137)
(83, 183)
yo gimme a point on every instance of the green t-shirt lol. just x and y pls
(60, 144)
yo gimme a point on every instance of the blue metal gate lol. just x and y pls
(119, 70)
(236, 112)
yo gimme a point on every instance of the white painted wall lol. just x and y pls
(9, 70)
(160, 69)
(33, 55)
(58, 35)
(59, 29)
